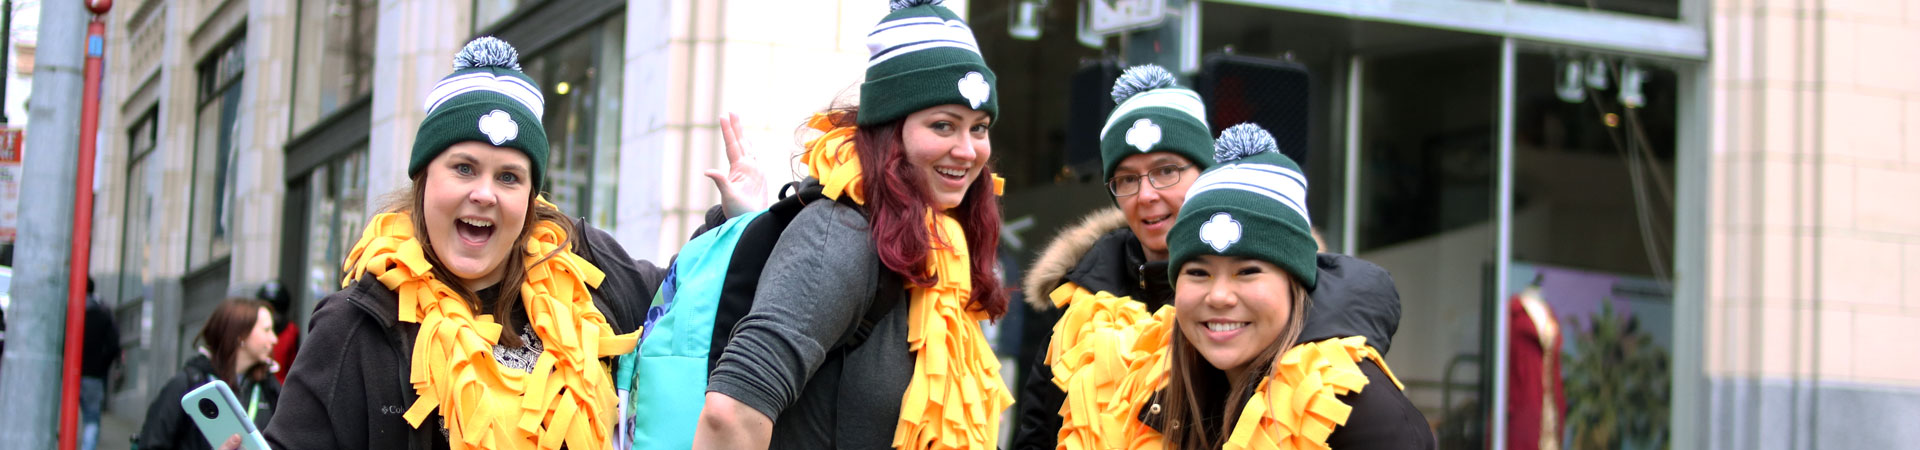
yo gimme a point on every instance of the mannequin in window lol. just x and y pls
(1536, 402)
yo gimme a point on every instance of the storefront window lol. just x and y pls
(130, 311)
(487, 12)
(1425, 213)
(335, 65)
(336, 214)
(1589, 295)
(582, 87)
(215, 152)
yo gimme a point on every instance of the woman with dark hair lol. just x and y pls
(910, 197)
(236, 346)
(474, 313)
(1233, 363)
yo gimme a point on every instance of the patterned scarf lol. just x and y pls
(956, 394)
(1111, 357)
(567, 398)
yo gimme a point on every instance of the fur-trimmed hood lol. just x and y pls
(1064, 253)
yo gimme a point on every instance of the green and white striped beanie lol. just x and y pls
(921, 56)
(1154, 114)
(1253, 204)
(487, 99)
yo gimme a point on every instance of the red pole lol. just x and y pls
(82, 236)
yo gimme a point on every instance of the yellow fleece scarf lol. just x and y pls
(956, 395)
(1111, 357)
(568, 398)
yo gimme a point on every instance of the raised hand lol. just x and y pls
(743, 187)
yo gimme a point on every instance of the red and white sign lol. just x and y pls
(11, 141)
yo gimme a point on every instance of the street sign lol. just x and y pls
(11, 141)
(1114, 16)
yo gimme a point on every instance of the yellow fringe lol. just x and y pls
(1111, 357)
(567, 399)
(956, 395)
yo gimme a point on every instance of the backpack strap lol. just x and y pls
(892, 287)
(892, 292)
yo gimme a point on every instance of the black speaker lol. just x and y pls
(1272, 93)
(1090, 99)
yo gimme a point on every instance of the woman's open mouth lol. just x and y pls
(474, 231)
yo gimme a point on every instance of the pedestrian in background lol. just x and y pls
(101, 348)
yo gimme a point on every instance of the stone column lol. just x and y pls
(260, 182)
(415, 47)
(1813, 253)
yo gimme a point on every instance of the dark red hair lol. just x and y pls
(897, 206)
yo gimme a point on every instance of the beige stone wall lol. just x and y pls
(415, 47)
(773, 62)
(1814, 235)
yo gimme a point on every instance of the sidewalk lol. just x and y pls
(114, 431)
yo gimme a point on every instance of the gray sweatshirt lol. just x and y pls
(819, 281)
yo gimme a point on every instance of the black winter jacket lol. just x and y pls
(349, 387)
(168, 427)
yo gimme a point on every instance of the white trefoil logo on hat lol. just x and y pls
(499, 127)
(1144, 135)
(1220, 231)
(974, 87)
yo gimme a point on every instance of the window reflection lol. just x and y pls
(1426, 215)
(1591, 302)
(582, 78)
(335, 66)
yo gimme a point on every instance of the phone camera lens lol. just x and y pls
(208, 408)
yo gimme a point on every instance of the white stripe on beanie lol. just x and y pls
(903, 36)
(513, 87)
(1283, 185)
(1178, 99)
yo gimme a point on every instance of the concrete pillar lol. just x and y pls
(417, 40)
(1813, 243)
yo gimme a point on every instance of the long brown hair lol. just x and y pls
(410, 200)
(1201, 403)
(897, 207)
(231, 323)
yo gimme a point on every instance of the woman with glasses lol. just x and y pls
(1152, 147)
(1235, 362)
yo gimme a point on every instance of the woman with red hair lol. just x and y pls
(910, 197)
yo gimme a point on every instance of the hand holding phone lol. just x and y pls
(219, 415)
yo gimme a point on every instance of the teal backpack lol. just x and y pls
(708, 288)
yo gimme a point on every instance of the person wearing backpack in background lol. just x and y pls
(1154, 144)
(102, 349)
(474, 313)
(235, 347)
(915, 155)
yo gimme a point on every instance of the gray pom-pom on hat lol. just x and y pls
(904, 4)
(487, 51)
(1141, 78)
(1241, 141)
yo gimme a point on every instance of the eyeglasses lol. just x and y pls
(1162, 177)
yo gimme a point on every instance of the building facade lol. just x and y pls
(1719, 187)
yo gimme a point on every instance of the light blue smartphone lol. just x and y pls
(219, 414)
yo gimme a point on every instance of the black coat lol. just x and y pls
(168, 427)
(349, 387)
(1115, 264)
